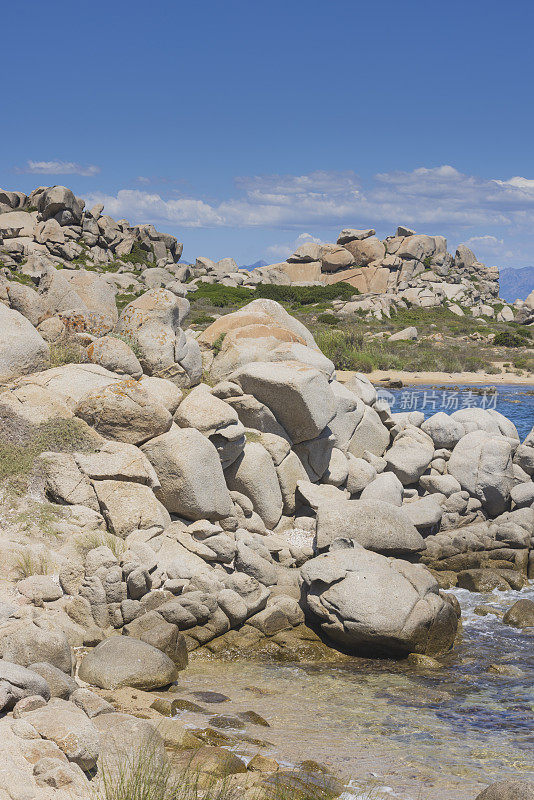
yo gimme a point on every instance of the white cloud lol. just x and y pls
(518, 183)
(279, 252)
(486, 239)
(59, 168)
(431, 199)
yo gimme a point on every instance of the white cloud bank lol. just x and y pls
(426, 196)
(59, 168)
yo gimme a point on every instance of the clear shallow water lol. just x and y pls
(407, 732)
(515, 402)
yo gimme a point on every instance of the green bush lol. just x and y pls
(221, 296)
(122, 299)
(218, 343)
(202, 319)
(130, 341)
(295, 296)
(523, 362)
(510, 339)
(139, 256)
(341, 347)
(306, 295)
(327, 318)
(19, 277)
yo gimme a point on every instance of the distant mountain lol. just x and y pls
(260, 263)
(516, 283)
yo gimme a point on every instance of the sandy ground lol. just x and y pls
(442, 378)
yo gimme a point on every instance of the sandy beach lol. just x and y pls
(442, 378)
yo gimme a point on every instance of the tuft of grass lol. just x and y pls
(90, 541)
(62, 353)
(130, 341)
(252, 436)
(144, 776)
(43, 516)
(26, 564)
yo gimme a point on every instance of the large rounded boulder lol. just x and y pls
(152, 322)
(482, 464)
(22, 348)
(125, 661)
(370, 604)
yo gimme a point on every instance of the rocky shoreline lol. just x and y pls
(175, 492)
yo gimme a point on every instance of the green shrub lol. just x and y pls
(202, 319)
(510, 339)
(295, 296)
(123, 298)
(525, 362)
(350, 351)
(306, 295)
(130, 341)
(139, 255)
(19, 277)
(218, 343)
(327, 318)
(341, 347)
(221, 296)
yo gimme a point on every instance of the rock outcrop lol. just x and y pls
(189, 492)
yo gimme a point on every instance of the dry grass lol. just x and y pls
(27, 564)
(90, 541)
(17, 456)
(62, 353)
(143, 776)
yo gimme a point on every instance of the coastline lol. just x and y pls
(382, 377)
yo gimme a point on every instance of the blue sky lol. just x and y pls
(245, 128)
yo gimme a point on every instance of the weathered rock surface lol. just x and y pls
(190, 474)
(375, 525)
(22, 348)
(369, 603)
(125, 661)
